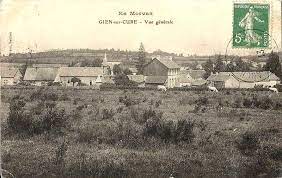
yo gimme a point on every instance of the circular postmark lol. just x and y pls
(246, 63)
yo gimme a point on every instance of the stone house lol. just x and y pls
(87, 75)
(160, 70)
(39, 76)
(10, 76)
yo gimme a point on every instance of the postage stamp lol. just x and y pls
(251, 25)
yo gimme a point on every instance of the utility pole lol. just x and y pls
(10, 43)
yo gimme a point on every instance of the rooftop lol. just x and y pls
(155, 79)
(80, 71)
(40, 74)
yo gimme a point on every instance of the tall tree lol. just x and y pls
(219, 65)
(117, 70)
(208, 67)
(273, 65)
(141, 58)
(241, 65)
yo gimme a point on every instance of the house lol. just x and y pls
(222, 81)
(87, 75)
(40, 75)
(160, 70)
(199, 83)
(197, 74)
(243, 79)
(139, 79)
(109, 65)
(108, 79)
(184, 78)
(133, 70)
(10, 76)
(154, 81)
(50, 65)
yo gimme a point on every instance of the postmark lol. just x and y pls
(248, 55)
(251, 25)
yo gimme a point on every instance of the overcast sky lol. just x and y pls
(200, 26)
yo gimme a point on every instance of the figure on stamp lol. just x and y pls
(248, 24)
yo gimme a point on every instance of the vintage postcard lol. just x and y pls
(121, 89)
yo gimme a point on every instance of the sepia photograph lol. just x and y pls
(137, 89)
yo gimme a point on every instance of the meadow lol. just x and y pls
(133, 133)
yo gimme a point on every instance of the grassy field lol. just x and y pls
(130, 133)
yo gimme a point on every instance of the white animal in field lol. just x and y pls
(161, 87)
(273, 89)
(212, 89)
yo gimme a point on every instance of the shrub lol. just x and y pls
(43, 95)
(266, 103)
(248, 143)
(128, 101)
(85, 135)
(184, 131)
(64, 97)
(238, 102)
(47, 117)
(158, 103)
(107, 114)
(202, 101)
(152, 120)
(247, 102)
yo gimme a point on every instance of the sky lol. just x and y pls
(199, 27)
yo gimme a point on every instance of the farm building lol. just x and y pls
(51, 65)
(197, 74)
(108, 79)
(10, 76)
(154, 81)
(133, 70)
(184, 78)
(87, 75)
(222, 81)
(40, 76)
(162, 68)
(243, 79)
(139, 79)
(199, 83)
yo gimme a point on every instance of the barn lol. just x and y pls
(243, 79)
(160, 70)
(87, 75)
(10, 76)
(40, 75)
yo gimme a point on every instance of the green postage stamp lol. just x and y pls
(251, 25)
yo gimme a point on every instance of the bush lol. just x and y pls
(248, 143)
(128, 101)
(184, 132)
(85, 135)
(36, 120)
(44, 95)
(107, 114)
(203, 101)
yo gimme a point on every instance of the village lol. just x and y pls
(157, 70)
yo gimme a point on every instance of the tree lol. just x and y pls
(141, 58)
(241, 65)
(97, 62)
(273, 65)
(208, 67)
(117, 69)
(123, 80)
(194, 65)
(219, 65)
(75, 80)
(127, 71)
